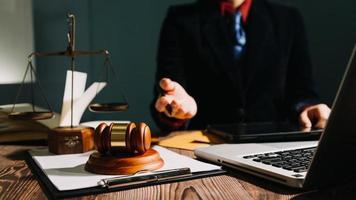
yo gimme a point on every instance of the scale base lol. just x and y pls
(69, 140)
(125, 163)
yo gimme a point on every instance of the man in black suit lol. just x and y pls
(234, 61)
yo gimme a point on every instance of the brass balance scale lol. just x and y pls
(123, 148)
(71, 139)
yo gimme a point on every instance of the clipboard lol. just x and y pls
(53, 193)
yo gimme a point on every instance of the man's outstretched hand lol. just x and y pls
(175, 102)
(314, 116)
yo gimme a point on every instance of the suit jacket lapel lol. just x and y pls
(214, 30)
(260, 41)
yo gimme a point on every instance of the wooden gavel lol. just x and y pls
(122, 138)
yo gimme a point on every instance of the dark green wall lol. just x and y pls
(331, 28)
(130, 29)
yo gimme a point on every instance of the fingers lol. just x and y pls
(306, 129)
(317, 113)
(322, 112)
(178, 110)
(171, 108)
(174, 106)
(162, 103)
(167, 84)
(320, 124)
(175, 102)
(304, 120)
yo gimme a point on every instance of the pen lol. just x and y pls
(153, 177)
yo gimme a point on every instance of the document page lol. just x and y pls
(67, 172)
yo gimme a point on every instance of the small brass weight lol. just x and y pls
(123, 148)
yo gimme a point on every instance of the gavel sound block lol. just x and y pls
(123, 149)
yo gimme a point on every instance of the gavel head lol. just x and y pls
(123, 138)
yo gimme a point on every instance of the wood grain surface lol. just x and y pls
(17, 182)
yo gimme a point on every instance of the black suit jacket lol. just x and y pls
(273, 76)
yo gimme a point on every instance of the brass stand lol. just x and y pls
(73, 139)
(68, 140)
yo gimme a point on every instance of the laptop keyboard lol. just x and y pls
(297, 160)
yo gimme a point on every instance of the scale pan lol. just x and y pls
(31, 115)
(108, 107)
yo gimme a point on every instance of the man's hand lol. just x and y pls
(316, 114)
(176, 102)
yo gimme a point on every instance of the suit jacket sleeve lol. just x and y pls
(300, 84)
(169, 59)
(169, 65)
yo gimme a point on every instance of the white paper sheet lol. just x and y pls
(81, 97)
(67, 172)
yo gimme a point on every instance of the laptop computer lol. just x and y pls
(307, 164)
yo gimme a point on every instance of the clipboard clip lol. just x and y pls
(155, 176)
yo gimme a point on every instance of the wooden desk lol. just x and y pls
(17, 182)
